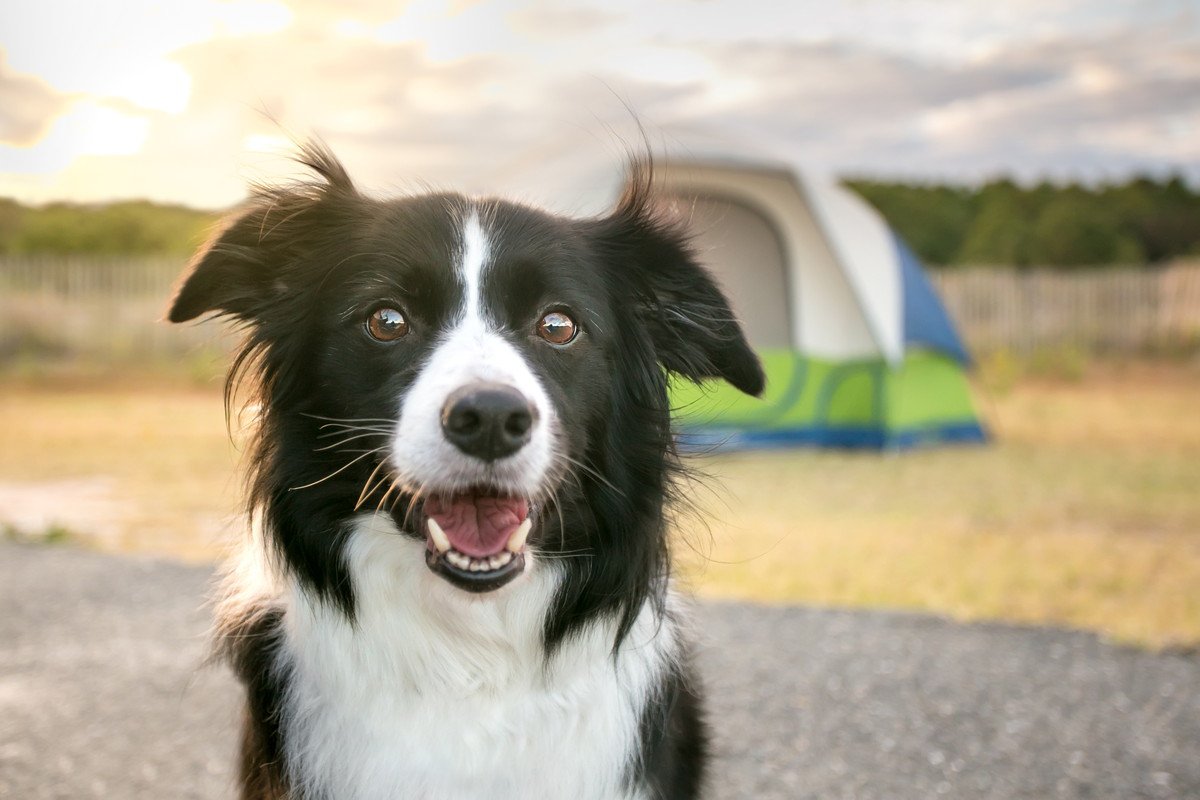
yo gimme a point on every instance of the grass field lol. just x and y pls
(1085, 511)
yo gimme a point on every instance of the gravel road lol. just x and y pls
(102, 695)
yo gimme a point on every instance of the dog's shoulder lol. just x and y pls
(250, 641)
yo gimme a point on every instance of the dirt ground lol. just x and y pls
(102, 695)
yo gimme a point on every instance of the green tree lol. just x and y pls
(128, 228)
(1000, 232)
(1163, 217)
(12, 215)
(1075, 230)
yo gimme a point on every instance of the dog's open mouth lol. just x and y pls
(476, 539)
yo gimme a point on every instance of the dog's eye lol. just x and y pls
(557, 328)
(386, 324)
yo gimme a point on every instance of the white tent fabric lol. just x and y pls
(865, 249)
(833, 290)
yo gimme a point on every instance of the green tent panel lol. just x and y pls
(854, 403)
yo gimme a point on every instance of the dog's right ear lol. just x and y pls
(693, 329)
(245, 264)
(230, 274)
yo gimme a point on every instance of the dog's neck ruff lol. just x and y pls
(432, 693)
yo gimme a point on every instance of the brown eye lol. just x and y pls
(386, 324)
(557, 328)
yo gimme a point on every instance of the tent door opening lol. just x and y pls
(743, 250)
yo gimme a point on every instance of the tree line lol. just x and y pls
(1141, 221)
(127, 228)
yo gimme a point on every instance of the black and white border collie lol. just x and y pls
(459, 580)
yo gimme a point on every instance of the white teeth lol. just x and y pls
(438, 536)
(517, 540)
(486, 563)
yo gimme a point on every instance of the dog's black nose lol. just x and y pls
(488, 421)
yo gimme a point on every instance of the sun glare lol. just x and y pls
(123, 51)
(266, 143)
(88, 129)
(114, 67)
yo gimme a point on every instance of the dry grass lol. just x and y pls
(141, 470)
(1085, 512)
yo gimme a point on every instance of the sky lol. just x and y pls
(190, 100)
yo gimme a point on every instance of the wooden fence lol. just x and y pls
(1097, 311)
(95, 309)
(111, 309)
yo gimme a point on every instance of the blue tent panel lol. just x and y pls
(711, 439)
(925, 319)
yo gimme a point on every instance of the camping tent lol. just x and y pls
(858, 349)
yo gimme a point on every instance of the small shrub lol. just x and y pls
(1000, 370)
(1065, 362)
(54, 533)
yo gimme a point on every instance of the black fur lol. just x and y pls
(301, 265)
(673, 755)
(251, 645)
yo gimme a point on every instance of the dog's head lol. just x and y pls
(492, 375)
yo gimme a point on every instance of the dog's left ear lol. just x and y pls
(695, 332)
(245, 266)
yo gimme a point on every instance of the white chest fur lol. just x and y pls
(437, 694)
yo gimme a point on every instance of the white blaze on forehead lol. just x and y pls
(475, 253)
(471, 350)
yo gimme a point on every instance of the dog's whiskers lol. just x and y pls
(546, 556)
(589, 471)
(347, 440)
(368, 489)
(415, 496)
(350, 420)
(395, 482)
(341, 430)
(337, 471)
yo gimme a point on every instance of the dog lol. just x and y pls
(458, 584)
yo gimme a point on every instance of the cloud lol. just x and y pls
(546, 20)
(87, 128)
(543, 98)
(1000, 100)
(1060, 105)
(396, 116)
(27, 106)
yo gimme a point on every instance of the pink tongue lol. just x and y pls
(477, 525)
